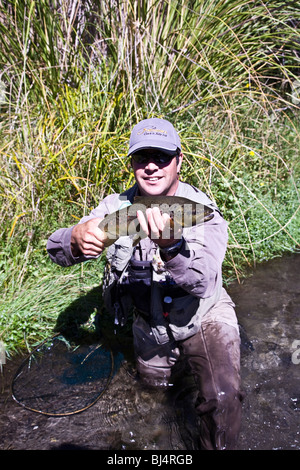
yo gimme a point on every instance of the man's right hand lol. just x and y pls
(87, 238)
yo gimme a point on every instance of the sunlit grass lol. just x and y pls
(224, 72)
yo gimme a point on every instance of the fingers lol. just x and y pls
(158, 220)
(154, 222)
(143, 222)
(157, 226)
(87, 239)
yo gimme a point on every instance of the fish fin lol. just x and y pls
(136, 237)
(209, 217)
(136, 240)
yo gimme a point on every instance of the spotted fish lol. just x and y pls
(182, 211)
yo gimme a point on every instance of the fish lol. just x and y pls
(183, 213)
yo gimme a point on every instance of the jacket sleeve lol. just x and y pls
(197, 268)
(59, 243)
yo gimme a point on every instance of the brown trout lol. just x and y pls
(183, 212)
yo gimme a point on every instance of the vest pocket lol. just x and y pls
(139, 283)
(182, 310)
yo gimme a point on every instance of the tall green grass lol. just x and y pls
(76, 76)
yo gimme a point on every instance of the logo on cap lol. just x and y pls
(152, 131)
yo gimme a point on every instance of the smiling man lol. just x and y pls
(156, 173)
(173, 283)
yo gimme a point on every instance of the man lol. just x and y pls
(174, 282)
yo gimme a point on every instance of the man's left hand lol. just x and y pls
(159, 227)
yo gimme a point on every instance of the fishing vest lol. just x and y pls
(148, 288)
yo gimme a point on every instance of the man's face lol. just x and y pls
(155, 178)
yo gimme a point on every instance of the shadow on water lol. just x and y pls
(129, 416)
(86, 321)
(72, 321)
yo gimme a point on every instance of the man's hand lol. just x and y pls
(157, 227)
(87, 238)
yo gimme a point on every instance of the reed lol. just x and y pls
(75, 76)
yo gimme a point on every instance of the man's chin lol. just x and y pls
(155, 189)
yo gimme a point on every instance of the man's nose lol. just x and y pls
(151, 164)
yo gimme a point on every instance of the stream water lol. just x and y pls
(130, 417)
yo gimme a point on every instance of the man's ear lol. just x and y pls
(179, 159)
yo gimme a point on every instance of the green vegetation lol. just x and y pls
(75, 77)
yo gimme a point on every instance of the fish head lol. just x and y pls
(182, 211)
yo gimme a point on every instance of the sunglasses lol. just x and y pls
(158, 158)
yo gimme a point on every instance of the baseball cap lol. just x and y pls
(154, 133)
